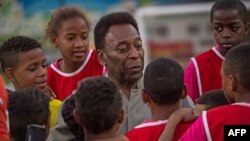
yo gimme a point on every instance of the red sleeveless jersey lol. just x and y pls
(215, 119)
(208, 70)
(64, 83)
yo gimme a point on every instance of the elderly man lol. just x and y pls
(119, 47)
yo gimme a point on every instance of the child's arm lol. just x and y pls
(183, 114)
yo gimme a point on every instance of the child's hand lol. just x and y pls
(180, 115)
(50, 93)
(183, 114)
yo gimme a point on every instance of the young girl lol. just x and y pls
(68, 30)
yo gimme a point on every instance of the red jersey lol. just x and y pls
(4, 135)
(64, 83)
(237, 113)
(151, 131)
(208, 70)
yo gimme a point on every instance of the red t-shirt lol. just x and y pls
(151, 131)
(4, 135)
(64, 83)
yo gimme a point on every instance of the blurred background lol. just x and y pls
(178, 29)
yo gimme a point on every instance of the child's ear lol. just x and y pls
(121, 116)
(54, 41)
(10, 74)
(232, 82)
(77, 116)
(184, 92)
(101, 57)
(145, 96)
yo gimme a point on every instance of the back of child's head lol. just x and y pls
(28, 106)
(99, 104)
(61, 15)
(103, 25)
(163, 81)
(230, 5)
(212, 99)
(13, 47)
(237, 63)
(67, 113)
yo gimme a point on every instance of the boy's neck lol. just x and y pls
(163, 112)
(104, 136)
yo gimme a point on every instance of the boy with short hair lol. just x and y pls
(164, 88)
(23, 62)
(99, 109)
(236, 80)
(229, 25)
(28, 106)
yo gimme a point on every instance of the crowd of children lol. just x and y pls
(103, 94)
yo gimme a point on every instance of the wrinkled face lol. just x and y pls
(226, 84)
(30, 70)
(123, 54)
(228, 29)
(73, 40)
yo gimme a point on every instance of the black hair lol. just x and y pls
(99, 104)
(163, 81)
(213, 99)
(103, 25)
(228, 5)
(237, 63)
(13, 47)
(28, 106)
(67, 113)
(59, 16)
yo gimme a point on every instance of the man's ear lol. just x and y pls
(10, 74)
(101, 57)
(121, 116)
(77, 116)
(184, 92)
(232, 82)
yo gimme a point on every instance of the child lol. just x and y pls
(99, 109)
(229, 25)
(67, 113)
(236, 80)
(28, 106)
(23, 62)
(164, 88)
(68, 30)
(4, 135)
(210, 100)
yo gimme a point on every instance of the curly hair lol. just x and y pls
(13, 47)
(99, 104)
(67, 113)
(104, 24)
(28, 106)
